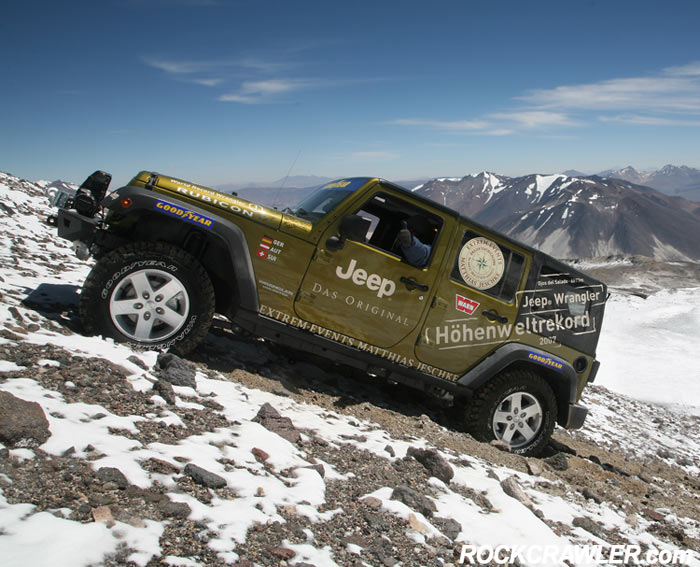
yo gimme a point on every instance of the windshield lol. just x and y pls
(324, 200)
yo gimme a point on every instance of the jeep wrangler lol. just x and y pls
(506, 333)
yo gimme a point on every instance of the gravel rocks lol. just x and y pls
(178, 510)
(558, 462)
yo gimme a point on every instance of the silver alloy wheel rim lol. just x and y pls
(149, 306)
(517, 419)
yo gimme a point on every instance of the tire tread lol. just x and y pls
(90, 293)
(477, 422)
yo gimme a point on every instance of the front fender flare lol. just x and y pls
(232, 236)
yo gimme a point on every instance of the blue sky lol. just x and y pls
(223, 91)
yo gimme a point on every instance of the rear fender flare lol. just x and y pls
(560, 375)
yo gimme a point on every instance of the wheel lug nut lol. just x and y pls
(509, 418)
(159, 298)
(147, 315)
(138, 305)
(160, 310)
(146, 295)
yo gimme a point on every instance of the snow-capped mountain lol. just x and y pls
(681, 180)
(576, 216)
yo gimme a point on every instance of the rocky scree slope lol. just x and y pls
(246, 454)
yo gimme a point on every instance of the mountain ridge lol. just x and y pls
(671, 179)
(576, 217)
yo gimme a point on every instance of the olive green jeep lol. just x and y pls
(483, 321)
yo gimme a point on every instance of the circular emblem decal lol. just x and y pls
(481, 263)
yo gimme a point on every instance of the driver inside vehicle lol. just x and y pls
(414, 250)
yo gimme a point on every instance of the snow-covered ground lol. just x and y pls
(650, 348)
(648, 351)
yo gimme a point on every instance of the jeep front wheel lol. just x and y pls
(516, 407)
(150, 294)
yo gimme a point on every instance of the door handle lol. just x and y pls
(493, 316)
(413, 284)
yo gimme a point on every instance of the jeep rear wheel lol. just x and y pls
(150, 294)
(516, 407)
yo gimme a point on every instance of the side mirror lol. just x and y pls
(353, 227)
(334, 244)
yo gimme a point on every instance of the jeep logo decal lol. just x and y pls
(374, 282)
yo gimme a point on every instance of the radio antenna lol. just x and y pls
(284, 181)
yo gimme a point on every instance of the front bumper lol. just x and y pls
(577, 415)
(75, 227)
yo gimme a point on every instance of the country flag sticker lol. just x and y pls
(264, 246)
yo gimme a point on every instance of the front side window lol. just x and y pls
(401, 228)
(487, 266)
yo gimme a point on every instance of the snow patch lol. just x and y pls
(544, 182)
(666, 327)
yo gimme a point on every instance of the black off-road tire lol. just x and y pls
(499, 394)
(112, 286)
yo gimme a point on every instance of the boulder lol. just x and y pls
(271, 420)
(165, 390)
(175, 370)
(22, 423)
(414, 500)
(434, 463)
(204, 477)
(114, 475)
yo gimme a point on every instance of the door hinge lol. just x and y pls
(305, 296)
(322, 256)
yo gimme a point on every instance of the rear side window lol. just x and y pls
(488, 267)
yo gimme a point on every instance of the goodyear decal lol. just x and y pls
(184, 214)
(546, 360)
